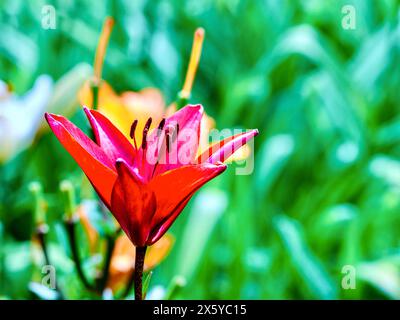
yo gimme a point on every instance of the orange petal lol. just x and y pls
(158, 251)
(142, 105)
(90, 231)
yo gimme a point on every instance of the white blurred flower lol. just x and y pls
(21, 116)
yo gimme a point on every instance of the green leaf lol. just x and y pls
(277, 150)
(207, 209)
(308, 266)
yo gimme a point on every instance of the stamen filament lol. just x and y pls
(193, 63)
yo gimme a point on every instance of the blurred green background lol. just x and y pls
(325, 191)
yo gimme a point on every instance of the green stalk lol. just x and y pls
(95, 93)
(106, 267)
(71, 231)
(138, 278)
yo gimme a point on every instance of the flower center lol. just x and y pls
(166, 136)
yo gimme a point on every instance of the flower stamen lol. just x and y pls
(193, 63)
(169, 136)
(159, 132)
(101, 48)
(161, 126)
(145, 132)
(132, 132)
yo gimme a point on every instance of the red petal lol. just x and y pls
(159, 231)
(133, 204)
(109, 138)
(173, 190)
(89, 156)
(223, 149)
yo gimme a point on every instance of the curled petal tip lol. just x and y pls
(222, 166)
(120, 165)
(87, 112)
(49, 117)
(199, 107)
(119, 162)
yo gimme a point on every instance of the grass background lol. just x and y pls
(325, 192)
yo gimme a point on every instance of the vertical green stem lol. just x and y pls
(139, 264)
(106, 266)
(41, 232)
(70, 225)
(95, 93)
(181, 101)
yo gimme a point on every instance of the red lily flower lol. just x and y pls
(146, 186)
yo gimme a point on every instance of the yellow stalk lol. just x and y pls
(193, 63)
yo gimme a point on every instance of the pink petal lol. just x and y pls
(223, 149)
(109, 138)
(183, 151)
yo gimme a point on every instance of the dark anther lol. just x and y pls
(161, 125)
(175, 133)
(145, 131)
(168, 141)
(133, 129)
(170, 136)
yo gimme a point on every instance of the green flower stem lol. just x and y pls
(106, 266)
(138, 277)
(41, 232)
(71, 231)
(95, 93)
(181, 101)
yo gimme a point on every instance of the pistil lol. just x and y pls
(193, 63)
